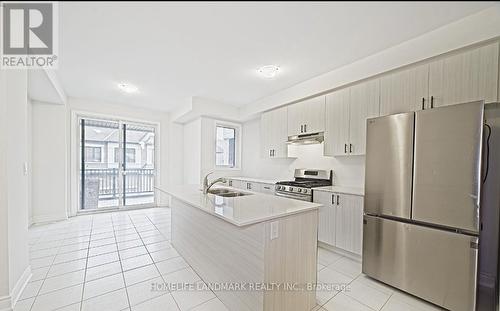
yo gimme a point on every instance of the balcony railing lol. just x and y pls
(137, 181)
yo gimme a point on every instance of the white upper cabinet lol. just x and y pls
(405, 90)
(307, 117)
(337, 123)
(364, 104)
(273, 133)
(466, 76)
(346, 113)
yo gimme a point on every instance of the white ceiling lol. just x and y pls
(173, 51)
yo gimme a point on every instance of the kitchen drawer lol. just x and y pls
(267, 188)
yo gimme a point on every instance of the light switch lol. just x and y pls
(275, 230)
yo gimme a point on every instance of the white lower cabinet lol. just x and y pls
(251, 186)
(326, 216)
(340, 222)
(236, 183)
(244, 185)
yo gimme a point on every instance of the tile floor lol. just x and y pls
(110, 261)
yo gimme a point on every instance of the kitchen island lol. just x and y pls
(259, 250)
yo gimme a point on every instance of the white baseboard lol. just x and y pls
(339, 251)
(5, 303)
(40, 219)
(20, 285)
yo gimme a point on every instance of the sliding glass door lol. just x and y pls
(138, 166)
(117, 164)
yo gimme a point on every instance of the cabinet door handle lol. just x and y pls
(333, 199)
(301, 128)
(350, 148)
(338, 199)
(423, 103)
(274, 153)
(345, 148)
(270, 153)
(230, 183)
(305, 128)
(432, 102)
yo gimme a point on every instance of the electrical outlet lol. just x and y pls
(275, 230)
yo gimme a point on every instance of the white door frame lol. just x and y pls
(75, 158)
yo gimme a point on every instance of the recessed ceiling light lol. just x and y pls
(127, 88)
(269, 71)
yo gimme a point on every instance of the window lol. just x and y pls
(130, 155)
(93, 154)
(225, 148)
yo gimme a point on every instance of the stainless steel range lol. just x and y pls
(305, 180)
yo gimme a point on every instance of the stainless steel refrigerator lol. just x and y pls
(422, 203)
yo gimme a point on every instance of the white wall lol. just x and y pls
(192, 152)
(14, 259)
(55, 152)
(4, 232)
(17, 157)
(348, 171)
(49, 162)
(199, 152)
(30, 160)
(175, 154)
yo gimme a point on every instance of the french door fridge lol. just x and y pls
(422, 194)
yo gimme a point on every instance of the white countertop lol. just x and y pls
(244, 210)
(257, 180)
(341, 189)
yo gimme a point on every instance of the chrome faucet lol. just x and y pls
(207, 185)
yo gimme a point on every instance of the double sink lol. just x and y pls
(227, 192)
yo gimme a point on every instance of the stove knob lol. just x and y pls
(305, 190)
(278, 187)
(290, 189)
(300, 190)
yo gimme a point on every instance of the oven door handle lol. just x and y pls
(294, 196)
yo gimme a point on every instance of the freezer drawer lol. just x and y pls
(447, 165)
(435, 265)
(389, 156)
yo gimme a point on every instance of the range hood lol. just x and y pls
(306, 139)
